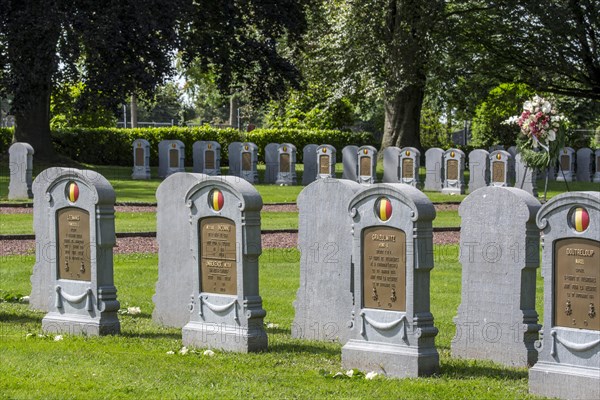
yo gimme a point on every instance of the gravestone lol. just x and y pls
(286, 165)
(566, 165)
(526, 178)
(499, 254)
(21, 171)
(271, 162)
(171, 155)
(499, 166)
(585, 165)
(324, 299)
(207, 157)
(434, 165)
(569, 357)
(309, 163)
(512, 150)
(391, 167)
(249, 162)
(141, 159)
(495, 148)
(350, 162)
(325, 161)
(597, 161)
(392, 329)
(454, 172)
(75, 232)
(409, 163)
(367, 164)
(234, 149)
(551, 171)
(479, 166)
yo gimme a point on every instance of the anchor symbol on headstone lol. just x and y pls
(393, 296)
(374, 296)
(592, 312)
(568, 309)
(82, 269)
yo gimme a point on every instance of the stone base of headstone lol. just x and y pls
(390, 360)
(564, 381)
(140, 173)
(564, 177)
(459, 189)
(80, 325)
(596, 178)
(225, 337)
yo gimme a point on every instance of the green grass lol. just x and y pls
(135, 364)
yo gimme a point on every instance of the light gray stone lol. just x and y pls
(409, 163)
(207, 157)
(249, 162)
(434, 165)
(585, 165)
(271, 162)
(526, 178)
(141, 159)
(495, 147)
(309, 161)
(454, 172)
(171, 157)
(74, 228)
(569, 357)
(479, 166)
(234, 149)
(566, 165)
(325, 161)
(499, 253)
(350, 162)
(391, 165)
(367, 165)
(324, 300)
(396, 336)
(21, 169)
(286, 164)
(596, 178)
(499, 168)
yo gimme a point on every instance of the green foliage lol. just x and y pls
(6, 135)
(67, 110)
(433, 132)
(164, 105)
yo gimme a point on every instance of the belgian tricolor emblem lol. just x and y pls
(580, 219)
(72, 192)
(383, 208)
(216, 199)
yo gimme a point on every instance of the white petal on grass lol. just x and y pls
(350, 373)
(58, 338)
(209, 353)
(133, 310)
(170, 352)
(371, 375)
(184, 350)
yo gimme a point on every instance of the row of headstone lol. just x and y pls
(401, 165)
(280, 163)
(360, 164)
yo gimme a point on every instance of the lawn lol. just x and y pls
(136, 364)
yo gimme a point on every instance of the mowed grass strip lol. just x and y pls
(135, 364)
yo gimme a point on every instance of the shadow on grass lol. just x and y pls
(468, 369)
(152, 335)
(305, 348)
(20, 318)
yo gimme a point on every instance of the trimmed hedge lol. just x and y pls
(112, 146)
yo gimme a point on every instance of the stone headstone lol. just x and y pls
(350, 162)
(512, 150)
(367, 164)
(596, 178)
(479, 166)
(499, 166)
(525, 177)
(569, 357)
(585, 165)
(171, 156)
(551, 172)
(325, 161)
(234, 149)
(499, 254)
(409, 163)
(271, 162)
(392, 329)
(566, 165)
(454, 172)
(21, 171)
(324, 300)
(141, 159)
(391, 167)
(434, 165)
(495, 147)
(207, 157)
(249, 162)
(286, 164)
(309, 163)
(75, 232)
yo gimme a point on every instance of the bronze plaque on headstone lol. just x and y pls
(576, 278)
(323, 164)
(173, 158)
(498, 171)
(139, 157)
(365, 166)
(209, 159)
(284, 162)
(452, 168)
(73, 242)
(384, 268)
(246, 162)
(407, 168)
(218, 267)
(565, 162)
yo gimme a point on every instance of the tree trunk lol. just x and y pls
(403, 118)
(32, 125)
(234, 105)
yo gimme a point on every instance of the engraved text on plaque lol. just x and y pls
(173, 158)
(407, 168)
(218, 268)
(73, 232)
(323, 164)
(246, 162)
(365, 166)
(209, 159)
(284, 162)
(139, 157)
(565, 162)
(498, 171)
(452, 168)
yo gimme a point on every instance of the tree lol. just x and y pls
(119, 47)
